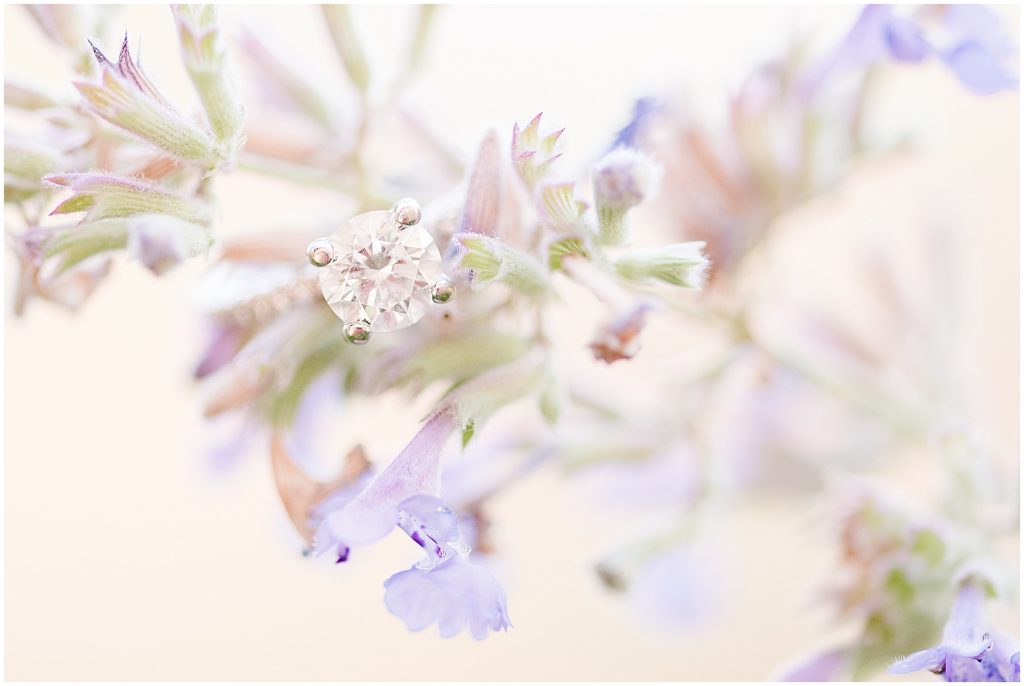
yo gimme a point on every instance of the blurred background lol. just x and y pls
(129, 555)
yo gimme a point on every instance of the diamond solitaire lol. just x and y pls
(379, 272)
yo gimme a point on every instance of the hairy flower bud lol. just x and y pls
(204, 56)
(486, 259)
(532, 156)
(103, 196)
(622, 180)
(680, 264)
(160, 242)
(126, 98)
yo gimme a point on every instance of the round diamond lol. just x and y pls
(382, 273)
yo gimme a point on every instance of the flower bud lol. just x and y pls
(487, 259)
(532, 156)
(103, 196)
(622, 180)
(160, 242)
(680, 264)
(126, 98)
(204, 56)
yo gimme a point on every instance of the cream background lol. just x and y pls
(128, 558)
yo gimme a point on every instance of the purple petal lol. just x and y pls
(374, 511)
(967, 669)
(824, 666)
(432, 517)
(924, 659)
(454, 595)
(979, 69)
(225, 342)
(158, 244)
(965, 633)
(905, 41)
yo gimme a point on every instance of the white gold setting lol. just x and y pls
(380, 271)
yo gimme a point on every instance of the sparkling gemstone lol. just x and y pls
(382, 273)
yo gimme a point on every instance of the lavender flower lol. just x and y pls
(969, 39)
(443, 588)
(978, 50)
(375, 511)
(455, 594)
(967, 650)
(632, 134)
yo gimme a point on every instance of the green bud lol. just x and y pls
(680, 264)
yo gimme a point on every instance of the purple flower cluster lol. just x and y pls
(444, 587)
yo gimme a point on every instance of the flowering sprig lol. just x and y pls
(515, 234)
(565, 237)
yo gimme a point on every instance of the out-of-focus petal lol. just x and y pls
(454, 595)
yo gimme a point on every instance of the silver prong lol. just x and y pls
(442, 291)
(357, 333)
(320, 252)
(407, 212)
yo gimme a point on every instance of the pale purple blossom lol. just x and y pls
(632, 134)
(969, 39)
(445, 587)
(455, 594)
(968, 651)
(374, 512)
(828, 665)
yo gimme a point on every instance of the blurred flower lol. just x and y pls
(161, 242)
(619, 339)
(68, 287)
(966, 652)
(828, 665)
(26, 162)
(969, 39)
(532, 156)
(622, 180)
(977, 48)
(674, 587)
(346, 42)
(128, 100)
(632, 134)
